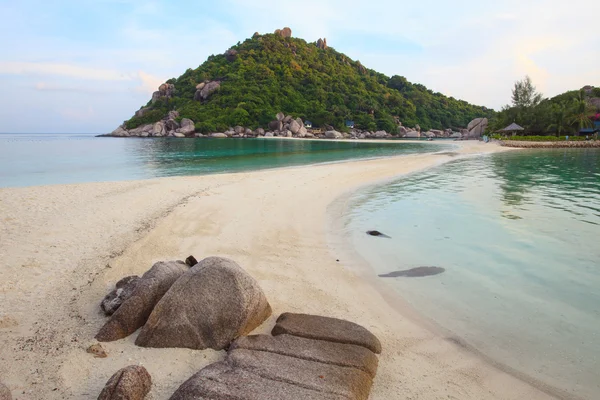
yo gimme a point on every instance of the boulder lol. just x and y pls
(288, 119)
(123, 290)
(418, 128)
(477, 127)
(343, 355)
(212, 304)
(286, 134)
(284, 33)
(276, 125)
(5, 392)
(231, 55)
(178, 134)
(269, 134)
(166, 90)
(239, 130)
(200, 86)
(326, 328)
(173, 115)
(218, 135)
(259, 132)
(350, 383)
(333, 135)
(295, 127)
(134, 312)
(221, 381)
(158, 129)
(209, 89)
(322, 44)
(302, 132)
(171, 125)
(380, 134)
(413, 134)
(120, 132)
(280, 116)
(187, 126)
(130, 383)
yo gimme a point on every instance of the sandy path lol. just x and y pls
(64, 246)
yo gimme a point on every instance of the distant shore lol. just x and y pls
(580, 144)
(87, 236)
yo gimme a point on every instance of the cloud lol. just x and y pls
(67, 70)
(149, 83)
(78, 114)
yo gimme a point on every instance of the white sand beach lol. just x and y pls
(63, 247)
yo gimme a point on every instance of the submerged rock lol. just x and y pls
(414, 272)
(378, 234)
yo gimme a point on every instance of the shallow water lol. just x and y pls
(41, 159)
(518, 235)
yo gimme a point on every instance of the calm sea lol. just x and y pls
(42, 159)
(519, 236)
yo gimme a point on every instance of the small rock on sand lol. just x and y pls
(97, 351)
(378, 234)
(129, 383)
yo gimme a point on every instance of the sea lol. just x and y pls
(518, 235)
(47, 159)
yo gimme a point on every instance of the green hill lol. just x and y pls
(274, 73)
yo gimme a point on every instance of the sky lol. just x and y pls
(78, 66)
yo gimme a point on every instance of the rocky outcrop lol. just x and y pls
(276, 125)
(286, 367)
(123, 290)
(322, 44)
(231, 55)
(186, 127)
(213, 303)
(134, 312)
(284, 33)
(205, 91)
(477, 127)
(130, 383)
(165, 91)
(218, 135)
(294, 127)
(333, 135)
(5, 392)
(120, 132)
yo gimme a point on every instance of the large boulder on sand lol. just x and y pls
(213, 303)
(295, 127)
(124, 289)
(333, 135)
(276, 125)
(130, 383)
(134, 312)
(477, 127)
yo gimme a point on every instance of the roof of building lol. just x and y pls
(512, 127)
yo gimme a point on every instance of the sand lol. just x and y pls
(63, 247)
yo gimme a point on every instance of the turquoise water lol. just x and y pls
(519, 236)
(42, 159)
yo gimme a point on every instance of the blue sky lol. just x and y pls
(85, 66)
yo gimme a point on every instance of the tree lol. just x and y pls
(559, 118)
(525, 95)
(581, 112)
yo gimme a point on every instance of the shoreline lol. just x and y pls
(340, 244)
(85, 239)
(580, 144)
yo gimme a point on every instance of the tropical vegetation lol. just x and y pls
(271, 74)
(565, 114)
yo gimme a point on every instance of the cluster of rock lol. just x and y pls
(206, 88)
(284, 33)
(165, 91)
(322, 43)
(167, 127)
(213, 305)
(166, 300)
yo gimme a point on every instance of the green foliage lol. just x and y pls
(149, 117)
(271, 74)
(564, 114)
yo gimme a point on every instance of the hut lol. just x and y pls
(307, 124)
(512, 128)
(350, 124)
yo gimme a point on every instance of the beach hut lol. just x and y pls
(512, 128)
(307, 124)
(350, 124)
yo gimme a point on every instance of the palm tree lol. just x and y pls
(581, 111)
(559, 118)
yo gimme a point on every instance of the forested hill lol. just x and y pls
(272, 73)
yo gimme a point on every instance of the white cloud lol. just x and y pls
(149, 83)
(67, 70)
